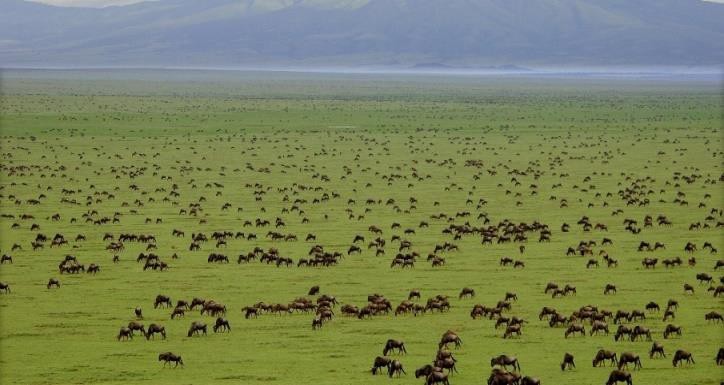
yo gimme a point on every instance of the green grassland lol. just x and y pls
(364, 137)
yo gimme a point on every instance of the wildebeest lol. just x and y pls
(162, 300)
(466, 292)
(610, 288)
(196, 328)
(137, 326)
(5, 287)
(652, 306)
(53, 282)
(639, 331)
(391, 345)
(395, 366)
(155, 328)
(657, 349)
(710, 316)
(504, 361)
(603, 355)
(681, 356)
(671, 329)
(379, 363)
(500, 376)
(575, 328)
(436, 377)
(125, 333)
(170, 357)
(598, 326)
(628, 357)
(512, 329)
(568, 362)
(619, 376)
(450, 337)
(221, 324)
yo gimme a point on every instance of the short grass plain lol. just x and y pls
(363, 137)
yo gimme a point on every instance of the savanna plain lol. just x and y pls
(487, 168)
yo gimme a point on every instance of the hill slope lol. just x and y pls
(366, 32)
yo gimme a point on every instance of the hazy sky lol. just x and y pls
(104, 3)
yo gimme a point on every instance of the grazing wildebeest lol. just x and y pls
(395, 366)
(125, 333)
(379, 363)
(500, 376)
(133, 325)
(682, 355)
(639, 331)
(425, 371)
(688, 289)
(170, 357)
(394, 345)
(466, 292)
(711, 316)
(512, 329)
(5, 287)
(720, 357)
(568, 362)
(672, 304)
(6, 258)
(621, 331)
(314, 290)
(527, 380)
(546, 311)
(155, 328)
(610, 288)
(505, 360)
(575, 328)
(138, 312)
(628, 357)
(196, 327)
(597, 326)
(162, 300)
(652, 306)
(250, 312)
(604, 355)
(671, 329)
(221, 324)
(619, 376)
(704, 278)
(636, 315)
(657, 349)
(449, 337)
(444, 355)
(437, 378)
(446, 363)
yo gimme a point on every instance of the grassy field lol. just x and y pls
(353, 137)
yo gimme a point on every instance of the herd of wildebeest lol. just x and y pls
(391, 242)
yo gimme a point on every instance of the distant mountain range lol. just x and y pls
(422, 34)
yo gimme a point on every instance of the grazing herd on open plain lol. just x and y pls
(288, 212)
